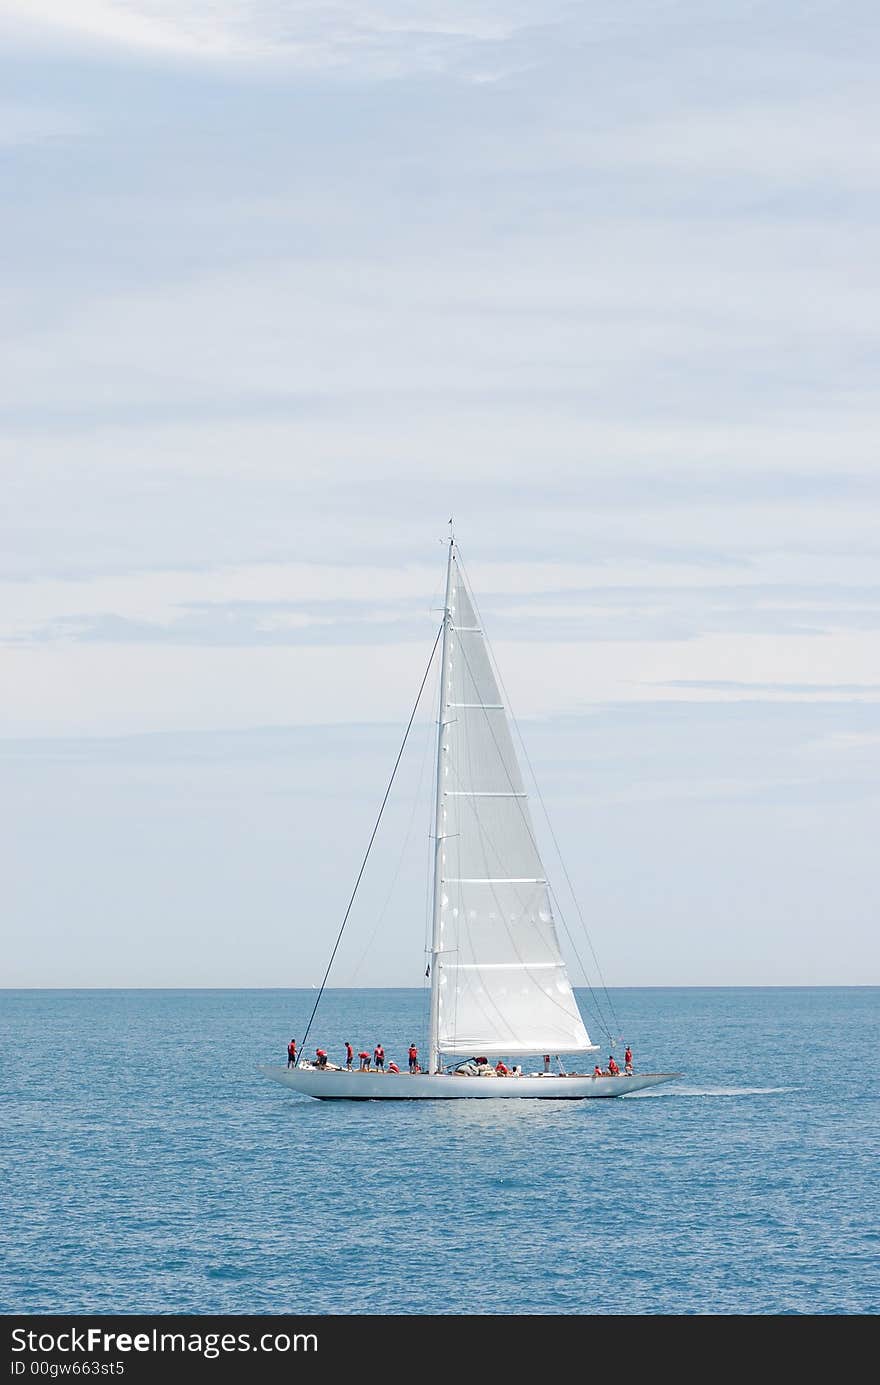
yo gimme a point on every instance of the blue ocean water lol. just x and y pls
(147, 1167)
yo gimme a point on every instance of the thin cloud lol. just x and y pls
(23, 124)
(387, 37)
(738, 685)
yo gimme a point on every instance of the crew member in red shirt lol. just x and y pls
(628, 1061)
(379, 1058)
(349, 1055)
(501, 1068)
(291, 1054)
(365, 1060)
(413, 1058)
(613, 1069)
(597, 1071)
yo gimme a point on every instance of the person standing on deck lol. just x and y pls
(291, 1054)
(349, 1055)
(379, 1058)
(413, 1058)
(365, 1060)
(628, 1061)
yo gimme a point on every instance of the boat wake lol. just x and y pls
(709, 1091)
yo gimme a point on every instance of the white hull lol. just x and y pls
(339, 1085)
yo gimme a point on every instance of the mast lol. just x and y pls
(433, 1044)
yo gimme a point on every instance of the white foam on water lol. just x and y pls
(710, 1091)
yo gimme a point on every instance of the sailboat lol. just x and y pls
(499, 983)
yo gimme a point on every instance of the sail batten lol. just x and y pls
(499, 966)
(477, 706)
(500, 983)
(493, 880)
(481, 793)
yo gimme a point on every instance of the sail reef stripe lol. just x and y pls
(503, 966)
(467, 629)
(479, 793)
(478, 706)
(492, 880)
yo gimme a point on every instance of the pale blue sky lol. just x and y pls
(287, 284)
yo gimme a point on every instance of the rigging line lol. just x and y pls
(540, 796)
(406, 840)
(373, 834)
(597, 1006)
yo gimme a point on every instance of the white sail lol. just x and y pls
(500, 982)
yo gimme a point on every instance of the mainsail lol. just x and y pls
(499, 983)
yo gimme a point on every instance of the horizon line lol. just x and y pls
(684, 986)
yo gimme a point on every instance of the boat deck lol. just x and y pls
(342, 1084)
